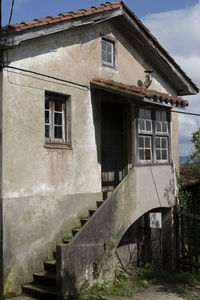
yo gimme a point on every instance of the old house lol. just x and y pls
(89, 145)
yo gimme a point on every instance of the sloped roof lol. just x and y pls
(61, 17)
(139, 92)
(13, 32)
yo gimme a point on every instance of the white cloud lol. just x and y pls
(178, 32)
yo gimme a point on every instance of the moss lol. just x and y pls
(97, 266)
(9, 288)
(85, 285)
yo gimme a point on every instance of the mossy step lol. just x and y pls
(46, 279)
(99, 203)
(92, 211)
(83, 221)
(50, 266)
(75, 230)
(39, 291)
(66, 240)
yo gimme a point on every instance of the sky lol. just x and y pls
(175, 23)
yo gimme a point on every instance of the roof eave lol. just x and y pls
(189, 88)
(14, 39)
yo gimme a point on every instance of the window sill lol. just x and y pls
(113, 67)
(151, 164)
(57, 146)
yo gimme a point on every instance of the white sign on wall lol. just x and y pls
(155, 220)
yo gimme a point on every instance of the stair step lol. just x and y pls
(46, 279)
(39, 291)
(84, 220)
(92, 211)
(75, 230)
(50, 266)
(66, 240)
(99, 203)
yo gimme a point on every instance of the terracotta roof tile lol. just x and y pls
(139, 92)
(61, 17)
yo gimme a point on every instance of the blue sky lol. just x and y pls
(30, 9)
(175, 23)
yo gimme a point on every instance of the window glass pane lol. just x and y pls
(141, 142)
(46, 104)
(158, 157)
(141, 113)
(157, 142)
(147, 114)
(58, 118)
(147, 154)
(104, 56)
(164, 116)
(58, 132)
(164, 154)
(158, 116)
(58, 106)
(47, 131)
(141, 125)
(158, 126)
(103, 44)
(164, 143)
(141, 154)
(47, 116)
(164, 127)
(148, 125)
(109, 58)
(109, 47)
(147, 142)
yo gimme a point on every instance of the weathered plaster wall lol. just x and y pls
(40, 183)
(32, 228)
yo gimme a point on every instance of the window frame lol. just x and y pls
(52, 99)
(153, 134)
(113, 54)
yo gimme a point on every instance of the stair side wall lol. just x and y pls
(97, 241)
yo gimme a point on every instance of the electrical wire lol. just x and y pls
(10, 18)
(47, 76)
(11, 12)
(78, 84)
(186, 113)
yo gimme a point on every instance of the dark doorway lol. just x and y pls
(113, 148)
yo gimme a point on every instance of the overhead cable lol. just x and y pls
(47, 76)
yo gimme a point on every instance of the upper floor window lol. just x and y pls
(153, 135)
(56, 118)
(108, 52)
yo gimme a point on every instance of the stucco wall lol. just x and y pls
(42, 185)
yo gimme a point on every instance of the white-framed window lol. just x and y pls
(145, 148)
(153, 135)
(108, 52)
(161, 122)
(56, 121)
(145, 121)
(161, 148)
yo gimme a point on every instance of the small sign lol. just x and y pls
(155, 220)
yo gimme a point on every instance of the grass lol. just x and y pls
(125, 284)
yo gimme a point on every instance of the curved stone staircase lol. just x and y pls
(44, 283)
(94, 242)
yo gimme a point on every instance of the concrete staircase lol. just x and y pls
(44, 283)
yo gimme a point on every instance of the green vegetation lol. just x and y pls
(125, 284)
(185, 197)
